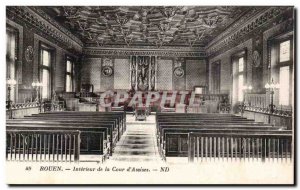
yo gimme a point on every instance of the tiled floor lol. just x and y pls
(138, 143)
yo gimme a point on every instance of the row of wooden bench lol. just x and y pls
(64, 136)
(206, 136)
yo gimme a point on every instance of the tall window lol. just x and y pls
(216, 77)
(10, 57)
(46, 73)
(284, 77)
(69, 75)
(285, 64)
(240, 78)
(284, 52)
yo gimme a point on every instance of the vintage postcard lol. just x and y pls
(150, 95)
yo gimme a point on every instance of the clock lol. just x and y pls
(107, 71)
(178, 72)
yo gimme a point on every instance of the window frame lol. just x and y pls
(11, 62)
(240, 73)
(242, 53)
(289, 62)
(284, 64)
(42, 67)
(71, 74)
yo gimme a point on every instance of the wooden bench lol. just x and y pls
(116, 127)
(120, 115)
(99, 132)
(173, 129)
(95, 139)
(206, 122)
(179, 133)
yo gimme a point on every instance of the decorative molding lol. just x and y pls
(107, 62)
(256, 57)
(255, 22)
(267, 110)
(146, 47)
(56, 24)
(29, 53)
(188, 26)
(107, 71)
(178, 72)
(136, 52)
(28, 16)
(107, 67)
(234, 27)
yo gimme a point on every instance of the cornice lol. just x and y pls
(255, 22)
(235, 26)
(142, 52)
(147, 47)
(255, 18)
(56, 24)
(28, 16)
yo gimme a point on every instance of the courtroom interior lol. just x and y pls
(73, 74)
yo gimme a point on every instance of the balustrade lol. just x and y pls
(259, 103)
(43, 145)
(203, 146)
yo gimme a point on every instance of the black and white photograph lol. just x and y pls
(149, 95)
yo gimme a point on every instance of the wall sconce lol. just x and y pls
(37, 86)
(10, 83)
(245, 88)
(271, 87)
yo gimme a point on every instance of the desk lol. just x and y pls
(141, 113)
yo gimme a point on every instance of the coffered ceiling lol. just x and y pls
(157, 26)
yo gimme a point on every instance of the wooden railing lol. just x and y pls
(252, 146)
(22, 105)
(19, 110)
(53, 106)
(256, 100)
(43, 145)
(260, 103)
(214, 97)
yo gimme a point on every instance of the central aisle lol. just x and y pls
(138, 143)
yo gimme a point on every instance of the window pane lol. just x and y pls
(284, 54)
(46, 83)
(240, 87)
(45, 57)
(69, 66)
(68, 83)
(10, 44)
(7, 42)
(10, 61)
(10, 51)
(284, 77)
(241, 64)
